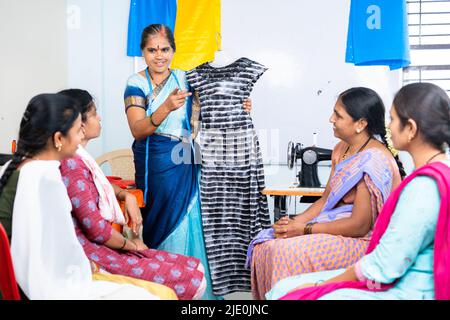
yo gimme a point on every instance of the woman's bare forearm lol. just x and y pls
(312, 212)
(144, 127)
(117, 241)
(346, 227)
(348, 275)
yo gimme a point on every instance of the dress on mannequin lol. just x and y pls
(233, 208)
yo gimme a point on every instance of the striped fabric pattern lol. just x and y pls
(233, 208)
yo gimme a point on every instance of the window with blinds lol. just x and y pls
(429, 40)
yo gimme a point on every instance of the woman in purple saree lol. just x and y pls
(333, 232)
(408, 254)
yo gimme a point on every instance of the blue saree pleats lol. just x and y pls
(172, 215)
(171, 185)
(187, 239)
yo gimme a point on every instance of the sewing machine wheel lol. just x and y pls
(291, 155)
(309, 157)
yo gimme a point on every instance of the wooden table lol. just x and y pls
(280, 193)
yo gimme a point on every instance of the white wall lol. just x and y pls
(303, 44)
(98, 63)
(33, 50)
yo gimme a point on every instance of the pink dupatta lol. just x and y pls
(441, 173)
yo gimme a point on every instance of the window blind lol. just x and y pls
(429, 39)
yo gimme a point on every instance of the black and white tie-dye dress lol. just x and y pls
(232, 178)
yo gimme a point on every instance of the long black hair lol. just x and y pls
(364, 103)
(45, 115)
(429, 106)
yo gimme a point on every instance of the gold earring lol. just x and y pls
(410, 138)
(59, 146)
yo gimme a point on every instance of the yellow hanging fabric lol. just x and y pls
(197, 33)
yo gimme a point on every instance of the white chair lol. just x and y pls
(121, 162)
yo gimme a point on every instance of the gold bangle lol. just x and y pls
(308, 228)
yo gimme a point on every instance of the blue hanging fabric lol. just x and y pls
(145, 12)
(378, 33)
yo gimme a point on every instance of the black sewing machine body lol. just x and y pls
(310, 158)
(308, 177)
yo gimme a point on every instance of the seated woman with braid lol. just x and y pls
(94, 208)
(334, 231)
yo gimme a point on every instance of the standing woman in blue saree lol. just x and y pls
(156, 103)
(158, 108)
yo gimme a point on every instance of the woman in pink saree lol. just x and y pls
(408, 254)
(334, 232)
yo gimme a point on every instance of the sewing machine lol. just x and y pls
(310, 157)
(308, 186)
